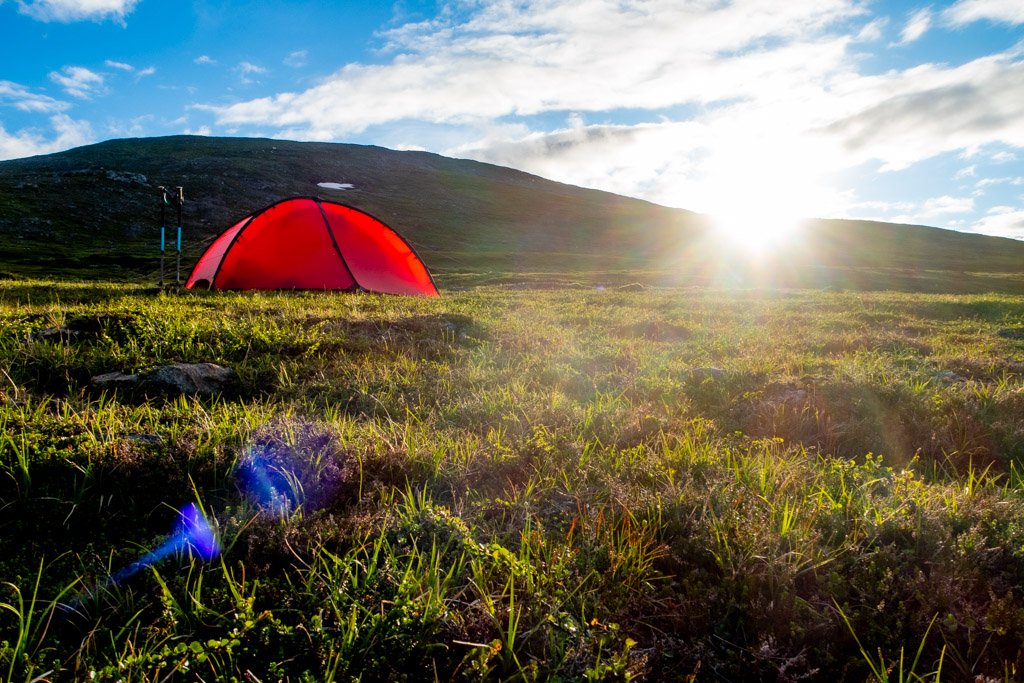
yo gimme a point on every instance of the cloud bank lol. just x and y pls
(77, 10)
(749, 98)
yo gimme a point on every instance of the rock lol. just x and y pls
(182, 378)
(632, 287)
(189, 378)
(149, 439)
(947, 376)
(793, 396)
(702, 374)
(113, 380)
(56, 335)
(128, 177)
(1007, 333)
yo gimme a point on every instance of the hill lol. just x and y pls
(94, 211)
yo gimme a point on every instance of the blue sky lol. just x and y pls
(760, 110)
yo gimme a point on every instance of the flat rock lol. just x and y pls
(189, 378)
(947, 376)
(148, 439)
(112, 380)
(1007, 333)
(55, 334)
(701, 374)
(182, 378)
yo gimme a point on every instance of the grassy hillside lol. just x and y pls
(575, 484)
(94, 212)
(101, 201)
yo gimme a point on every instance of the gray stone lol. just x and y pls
(702, 374)
(1007, 333)
(148, 439)
(947, 376)
(128, 177)
(182, 378)
(55, 334)
(112, 380)
(189, 378)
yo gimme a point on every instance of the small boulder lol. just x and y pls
(189, 378)
(702, 374)
(57, 335)
(1007, 333)
(114, 380)
(947, 376)
(181, 378)
(148, 439)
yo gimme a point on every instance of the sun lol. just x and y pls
(755, 229)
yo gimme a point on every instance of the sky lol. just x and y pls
(758, 111)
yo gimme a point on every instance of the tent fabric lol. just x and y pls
(309, 243)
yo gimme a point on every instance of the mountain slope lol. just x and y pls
(102, 198)
(94, 211)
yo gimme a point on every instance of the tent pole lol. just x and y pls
(163, 202)
(181, 201)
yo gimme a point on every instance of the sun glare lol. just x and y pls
(755, 231)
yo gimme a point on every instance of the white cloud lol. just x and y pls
(966, 171)
(204, 59)
(919, 113)
(67, 133)
(936, 208)
(1003, 221)
(77, 10)
(296, 59)
(984, 182)
(774, 98)
(134, 127)
(245, 69)
(79, 81)
(999, 11)
(537, 56)
(22, 98)
(139, 73)
(119, 65)
(917, 25)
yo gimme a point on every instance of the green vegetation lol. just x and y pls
(516, 483)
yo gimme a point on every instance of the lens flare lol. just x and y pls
(192, 534)
(267, 486)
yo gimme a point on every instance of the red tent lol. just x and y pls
(309, 243)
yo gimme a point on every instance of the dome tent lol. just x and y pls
(310, 243)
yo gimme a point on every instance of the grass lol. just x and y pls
(516, 483)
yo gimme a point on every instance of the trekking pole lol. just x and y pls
(181, 201)
(163, 203)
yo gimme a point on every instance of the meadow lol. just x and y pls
(514, 482)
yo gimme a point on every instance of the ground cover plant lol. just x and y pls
(512, 482)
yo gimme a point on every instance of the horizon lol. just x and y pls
(896, 112)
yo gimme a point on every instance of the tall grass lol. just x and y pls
(516, 484)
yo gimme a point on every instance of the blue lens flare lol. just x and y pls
(265, 484)
(192, 534)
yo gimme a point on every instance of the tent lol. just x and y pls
(309, 243)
